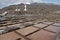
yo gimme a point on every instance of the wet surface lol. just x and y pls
(42, 35)
(39, 31)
